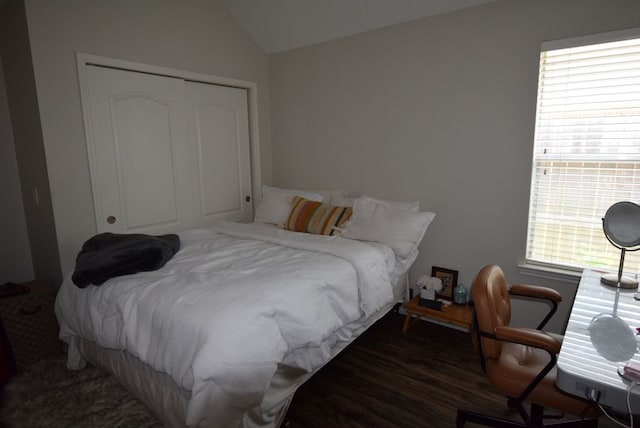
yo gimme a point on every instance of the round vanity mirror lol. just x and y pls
(621, 225)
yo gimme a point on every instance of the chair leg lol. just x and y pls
(579, 423)
(482, 419)
(513, 403)
(537, 416)
(535, 421)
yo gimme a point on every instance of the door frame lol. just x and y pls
(83, 60)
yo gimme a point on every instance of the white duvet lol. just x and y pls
(232, 304)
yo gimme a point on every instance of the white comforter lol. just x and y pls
(229, 307)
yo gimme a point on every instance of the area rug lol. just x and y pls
(49, 395)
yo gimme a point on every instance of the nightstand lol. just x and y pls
(31, 325)
(456, 315)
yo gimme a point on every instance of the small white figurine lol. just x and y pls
(429, 286)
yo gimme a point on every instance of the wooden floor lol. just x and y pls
(385, 379)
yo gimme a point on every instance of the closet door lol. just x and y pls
(218, 129)
(166, 154)
(138, 155)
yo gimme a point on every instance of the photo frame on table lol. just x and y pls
(449, 279)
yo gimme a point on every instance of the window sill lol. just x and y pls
(546, 272)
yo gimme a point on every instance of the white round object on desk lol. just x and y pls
(612, 337)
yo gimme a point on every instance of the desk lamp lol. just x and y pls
(621, 225)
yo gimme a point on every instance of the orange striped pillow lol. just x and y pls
(315, 217)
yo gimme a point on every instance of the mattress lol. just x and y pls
(240, 317)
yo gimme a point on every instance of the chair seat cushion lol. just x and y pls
(518, 365)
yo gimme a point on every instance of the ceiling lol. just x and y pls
(280, 25)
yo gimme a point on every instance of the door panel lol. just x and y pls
(218, 126)
(148, 183)
(139, 159)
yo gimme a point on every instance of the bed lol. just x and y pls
(227, 330)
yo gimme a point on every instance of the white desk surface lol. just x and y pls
(600, 338)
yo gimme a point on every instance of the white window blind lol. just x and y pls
(586, 152)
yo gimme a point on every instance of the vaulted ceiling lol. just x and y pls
(280, 25)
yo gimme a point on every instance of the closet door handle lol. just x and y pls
(111, 219)
(247, 198)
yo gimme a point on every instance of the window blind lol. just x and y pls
(586, 152)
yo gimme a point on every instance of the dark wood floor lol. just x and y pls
(385, 379)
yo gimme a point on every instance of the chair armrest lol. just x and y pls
(536, 291)
(529, 337)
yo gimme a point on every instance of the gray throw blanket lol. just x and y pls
(109, 255)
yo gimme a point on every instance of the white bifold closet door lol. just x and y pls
(166, 154)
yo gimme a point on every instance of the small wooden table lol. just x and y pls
(458, 315)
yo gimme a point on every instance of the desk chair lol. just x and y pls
(520, 362)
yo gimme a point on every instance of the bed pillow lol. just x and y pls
(413, 206)
(275, 204)
(398, 228)
(316, 217)
(348, 201)
(342, 200)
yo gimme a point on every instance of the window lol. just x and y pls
(586, 150)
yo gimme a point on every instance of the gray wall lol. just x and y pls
(193, 35)
(29, 151)
(440, 110)
(15, 259)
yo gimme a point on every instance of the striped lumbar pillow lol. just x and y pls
(315, 217)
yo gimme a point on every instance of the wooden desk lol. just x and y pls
(458, 315)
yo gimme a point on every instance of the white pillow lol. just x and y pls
(326, 194)
(398, 228)
(341, 200)
(275, 204)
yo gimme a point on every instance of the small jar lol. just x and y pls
(460, 295)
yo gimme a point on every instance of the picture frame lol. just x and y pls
(449, 279)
